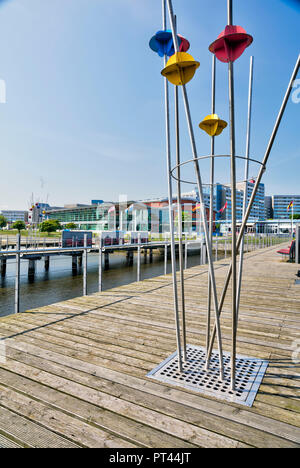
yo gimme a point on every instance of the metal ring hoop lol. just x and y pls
(207, 157)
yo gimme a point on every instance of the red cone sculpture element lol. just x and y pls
(231, 44)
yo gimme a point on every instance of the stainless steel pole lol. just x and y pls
(246, 176)
(179, 212)
(139, 258)
(17, 281)
(255, 188)
(297, 250)
(208, 243)
(200, 189)
(100, 264)
(166, 258)
(211, 201)
(201, 254)
(204, 253)
(85, 266)
(170, 196)
(233, 208)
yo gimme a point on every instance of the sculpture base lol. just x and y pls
(249, 374)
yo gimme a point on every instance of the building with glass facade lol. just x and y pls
(268, 207)
(280, 204)
(194, 194)
(223, 196)
(15, 215)
(153, 214)
(145, 215)
(191, 217)
(278, 226)
(87, 217)
(257, 212)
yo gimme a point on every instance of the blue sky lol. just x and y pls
(83, 117)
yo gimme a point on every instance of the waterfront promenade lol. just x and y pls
(75, 371)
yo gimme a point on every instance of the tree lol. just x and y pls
(186, 217)
(71, 226)
(19, 225)
(51, 225)
(3, 221)
(296, 216)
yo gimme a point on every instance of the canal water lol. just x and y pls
(59, 284)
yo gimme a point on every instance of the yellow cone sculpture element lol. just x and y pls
(180, 68)
(213, 125)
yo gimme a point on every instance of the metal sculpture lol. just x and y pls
(178, 70)
(212, 125)
(162, 43)
(231, 43)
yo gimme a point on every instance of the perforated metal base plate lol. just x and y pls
(249, 374)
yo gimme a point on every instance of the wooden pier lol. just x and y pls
(73, 374)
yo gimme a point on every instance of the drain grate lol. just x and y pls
(249, 374)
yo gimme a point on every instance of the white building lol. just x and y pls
(277, 226)
(280, 204)
(15, 215)
(222, 196)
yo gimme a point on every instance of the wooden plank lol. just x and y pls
(138, 401)
(8, 443)
(72, 428)
(78, 367)
(121, 426)
(28, 434)
(91, 375)
(93, 437)
(109, 316)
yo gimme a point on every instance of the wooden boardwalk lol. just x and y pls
(75, 372)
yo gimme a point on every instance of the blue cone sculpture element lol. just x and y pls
(162, 43)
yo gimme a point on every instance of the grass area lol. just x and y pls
(25, 233)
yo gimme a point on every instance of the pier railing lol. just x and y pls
(20, 252)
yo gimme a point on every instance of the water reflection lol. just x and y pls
(62, 282)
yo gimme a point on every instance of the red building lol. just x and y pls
(190, 211)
